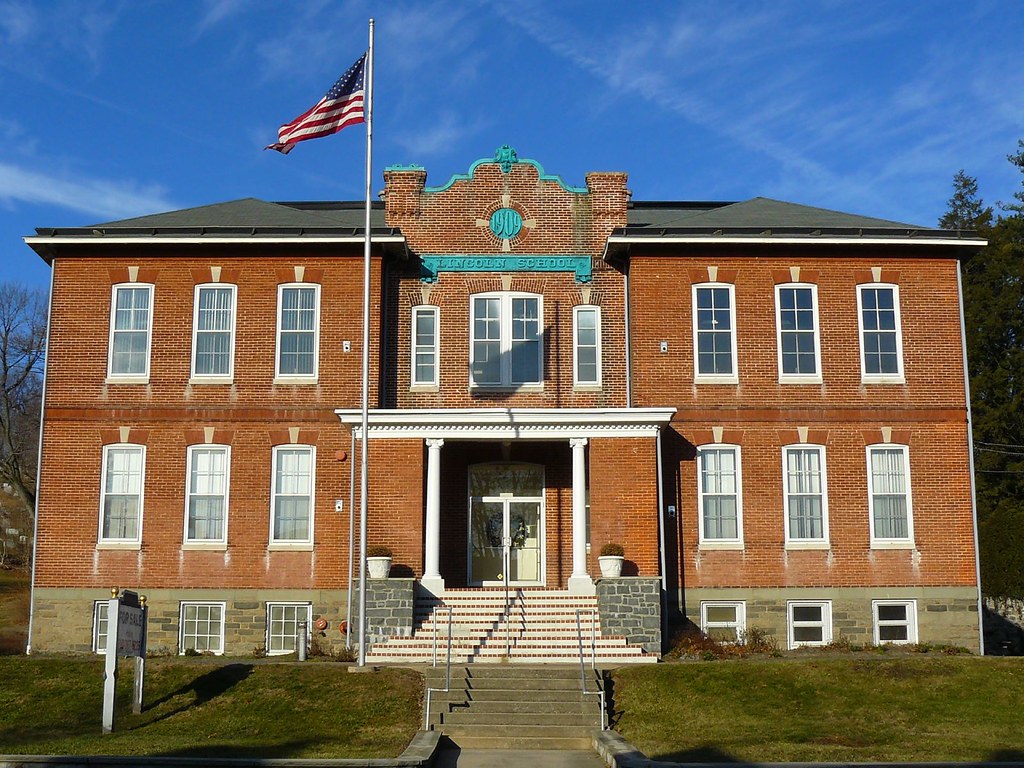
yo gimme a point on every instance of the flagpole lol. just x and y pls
(366, 358)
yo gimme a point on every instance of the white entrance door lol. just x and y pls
(506, 523)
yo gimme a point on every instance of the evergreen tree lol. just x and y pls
(966, 210)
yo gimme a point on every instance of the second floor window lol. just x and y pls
(880, 336)
(797, 307)
(213, 331)
(587, 350)
(131, 320)
(506, 347)
(714, 333)
(424, 345)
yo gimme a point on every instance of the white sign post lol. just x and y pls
(127, 616)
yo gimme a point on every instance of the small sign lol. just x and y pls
(126, 636)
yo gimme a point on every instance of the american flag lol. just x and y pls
(341, 107)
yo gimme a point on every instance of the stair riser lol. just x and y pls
(508, 719)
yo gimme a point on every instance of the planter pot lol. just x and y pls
(611, 566)
(378, 567)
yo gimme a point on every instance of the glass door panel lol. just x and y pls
(486, 528)
(524, 532)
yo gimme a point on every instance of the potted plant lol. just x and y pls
(378, 561)
(611, 559)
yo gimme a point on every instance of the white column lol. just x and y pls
(580, 581)
(432, 534)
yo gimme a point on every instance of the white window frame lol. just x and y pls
(793, 542)
(297, 378)
(576, 345)
(114, 377)
(505, 341)
(214, 378)
(307, 543)
(878, 542)
(434, 349)
(910, 622)
(100, 607)
(221, 542)
(881, 378)
(704, 542)
(798, 378)
(825, 623)
(740, 624)
(181, 624)
(270, 619)
(113, 542)
(715, 378)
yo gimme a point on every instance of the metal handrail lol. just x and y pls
(448, 671)
(593, 657)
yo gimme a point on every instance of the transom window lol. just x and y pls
(587, 349)
(298, 331)
(714, 333)
(213, 342)
(206, 498)
(424, 346)
(880, 336)
(797, 319)
(201, 627)
(283, 626)
(506, 347)
(292, 503)
(724, 621)
(718, 483)
(889, 496)
(131, 320)
(121, 494)
(810, 622)
(895, 621)
(806, 502)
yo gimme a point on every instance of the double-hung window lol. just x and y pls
(724, 621)
(895, 621)
(587, 346)
(806, 500)
(131, 323)
(121, 495)
(809, 622)
(891, 516)
(506, 348)
(283, 625)
(291, 515)
(213, 333)
(714, 333)
(881, 342)
(298, 333)
(206, 495)
(796, 308)
(201, 627)
(425, 331)
(719, 497)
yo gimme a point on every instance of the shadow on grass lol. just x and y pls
(705, 753)
(287, 749)
(205, 687)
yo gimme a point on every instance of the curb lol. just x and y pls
(419, 754)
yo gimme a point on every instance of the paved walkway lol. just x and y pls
(509, 758)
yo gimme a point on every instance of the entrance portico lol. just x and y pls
(504, 513)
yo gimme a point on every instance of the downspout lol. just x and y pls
(661, 543)
(628, 331)
(39, 466)
(970, 454)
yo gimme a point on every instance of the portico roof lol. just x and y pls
(508, 423)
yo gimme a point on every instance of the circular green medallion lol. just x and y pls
(506, 223)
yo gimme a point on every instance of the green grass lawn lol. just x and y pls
(207, 707)
(906, 708)
(14, 589)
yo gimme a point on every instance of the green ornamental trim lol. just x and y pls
(506, 157)
(431, 265)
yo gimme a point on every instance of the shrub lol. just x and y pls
(378, 550)
(691, 643)
(612, 550)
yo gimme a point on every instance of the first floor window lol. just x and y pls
(100, 609)
(131, 317)
(298, 328)
(714, 333)
(587, 350)
(895, 621)
(292, 503)
(724, 621)
(121, 493)
(810, 622)
(283, 625)
(889, 494)
(202, 627)
(804, 486)
(424, 345)
(207, 494)
(718, 471)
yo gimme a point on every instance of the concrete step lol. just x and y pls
(547, 672)
(518, 733)
(533, 707)
(518, 743)
(509, 695)
(578, 719)
(521, 657)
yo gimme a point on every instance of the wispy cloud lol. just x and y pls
(215, 12)
(17, 22)
(446, 130)
(103, 198)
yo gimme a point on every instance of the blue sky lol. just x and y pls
(115, 109)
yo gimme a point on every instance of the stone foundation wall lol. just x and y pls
(631, 606)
